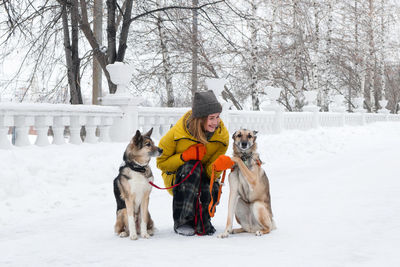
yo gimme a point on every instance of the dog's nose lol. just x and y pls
(244, 144)
(160, 150)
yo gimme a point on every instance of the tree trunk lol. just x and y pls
(195, 46)
(71, 52)
(369, 86)
(123, 37)
(253, 70)
(97, 31)
(166, 63)
(77, 99)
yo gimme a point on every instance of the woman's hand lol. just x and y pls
(195, 152)
(223, 162)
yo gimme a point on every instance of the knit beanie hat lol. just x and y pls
(204, 104)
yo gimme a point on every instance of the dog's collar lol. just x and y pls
(135, 167)
(245, 156)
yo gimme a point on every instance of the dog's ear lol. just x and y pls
(138, 138)
(149, 132)
(234, 135)
(255, 135)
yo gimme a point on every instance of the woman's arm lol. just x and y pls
(170, 160)
(221, 151)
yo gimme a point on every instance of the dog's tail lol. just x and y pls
(117, 194)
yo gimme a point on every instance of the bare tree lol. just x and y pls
(98, 34)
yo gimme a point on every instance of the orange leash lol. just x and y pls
(211, 207)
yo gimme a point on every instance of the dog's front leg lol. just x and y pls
(251, 176)
(131, 218)
(144, 209)
(233, 199)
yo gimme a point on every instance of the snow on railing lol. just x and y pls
(40, 117)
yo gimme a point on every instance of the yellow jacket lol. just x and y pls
(178, 139)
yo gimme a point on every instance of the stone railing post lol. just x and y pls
(91, 125)
(273, 94)
(104, 127)
(359, 104)
(42, 124)
(124, 127)
(5, 122)
(338, 107)
(59, 123)
(22, 124)
(383, 110)
(77, 122)
(311, 97)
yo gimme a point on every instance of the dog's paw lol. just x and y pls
(145, 235)
(133, 236)
(259, 233)
(123, 234)
(223, 235)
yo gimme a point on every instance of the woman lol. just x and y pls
(192, 149)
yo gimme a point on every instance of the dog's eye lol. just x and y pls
(249, 136)
(239, 135)
(148, 144)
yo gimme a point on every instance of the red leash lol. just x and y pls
(187, 176)
(199, 207)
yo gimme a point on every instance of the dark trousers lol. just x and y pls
(186, 197)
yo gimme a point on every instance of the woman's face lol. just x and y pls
(212, 122)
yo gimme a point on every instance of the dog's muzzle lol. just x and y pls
(244, 145)
(156, 152)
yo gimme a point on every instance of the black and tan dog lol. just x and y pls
(132, 188)
(249, 197)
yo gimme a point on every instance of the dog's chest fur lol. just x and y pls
(138, 182)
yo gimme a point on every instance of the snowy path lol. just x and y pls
(335, 197)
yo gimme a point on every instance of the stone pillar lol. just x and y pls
(273, 94)
(383, 104)
(359, 104)
(311, 97)
(123, 127)
(339, 107)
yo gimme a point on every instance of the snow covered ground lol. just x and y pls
(335, 197)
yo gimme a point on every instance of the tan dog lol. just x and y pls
(132, 188)
(249, 197)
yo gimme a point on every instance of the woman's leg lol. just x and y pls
(185, 195)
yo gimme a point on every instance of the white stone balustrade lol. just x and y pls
(62, 117)
(40, 117)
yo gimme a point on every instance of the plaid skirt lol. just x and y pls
(186, 197)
